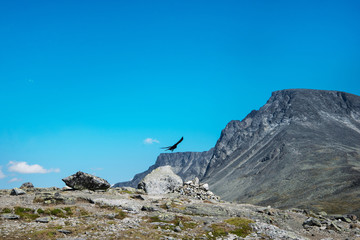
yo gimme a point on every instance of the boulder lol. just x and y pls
(17, 191)
(160, 181)
(10, 216)
(43, 219)
(312, 222)
(81, 180)
(27, 185)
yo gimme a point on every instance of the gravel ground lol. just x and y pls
(51, 213)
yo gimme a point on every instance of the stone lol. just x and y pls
(64, 231)
(27, 185)
(17, 191)
(161, 180)
(352, 217)
(43, 219)
(196, 181)
(149, 209)
(166, 217)
(53, 198)
(322, 213)
(81, 180)
(312, 222)
(204, 187)
(67, 188)
(10, 216)
(333, 226)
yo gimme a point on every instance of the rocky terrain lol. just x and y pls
(127, 213)
(178, 211)
(301, 149)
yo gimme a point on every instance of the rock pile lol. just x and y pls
(324, 221)
(197, 190)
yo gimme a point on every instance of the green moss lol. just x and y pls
(40, 211)
(44, 234)
(25, 213)
(120, 214)
(6, 210)
(238, 226)
(84, 213)
(68, 211)
(219, 229)
(57, 212)
(126, 191)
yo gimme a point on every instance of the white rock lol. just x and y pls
(160, 181)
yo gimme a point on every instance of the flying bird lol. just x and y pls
(171, 148)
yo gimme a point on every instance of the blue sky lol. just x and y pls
(84, 83)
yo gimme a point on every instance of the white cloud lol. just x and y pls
(15, 180)
(150, 141)
(23, 167)
(2, 175)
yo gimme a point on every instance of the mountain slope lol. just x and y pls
(187, 165)
(301, 149)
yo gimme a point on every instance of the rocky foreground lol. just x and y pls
(128, 213)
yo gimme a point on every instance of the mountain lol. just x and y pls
(187, 165)
(301, 149)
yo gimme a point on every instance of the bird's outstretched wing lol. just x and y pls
(182, 138)
(171, 148)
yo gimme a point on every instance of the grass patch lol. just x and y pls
(57, 212)
(25, 213)
(184, 222)
(84, 213)
(126, 191)
(6, 210)
(40, 211)
(238, 226)
(120, 214)
(68, 211)
(44, 234)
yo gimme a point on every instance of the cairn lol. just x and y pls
(195, 189)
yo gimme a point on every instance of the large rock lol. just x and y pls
(81, 180)
(27, 185)
(17, 191)
(161, 180)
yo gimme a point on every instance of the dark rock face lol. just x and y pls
(187, 165)
(301, 149)
(81, 180)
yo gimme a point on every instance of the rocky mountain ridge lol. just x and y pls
(301, 149)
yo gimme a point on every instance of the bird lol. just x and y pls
(171, 148)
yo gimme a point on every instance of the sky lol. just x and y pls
(101, 86)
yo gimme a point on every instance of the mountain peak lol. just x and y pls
(301, 149)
